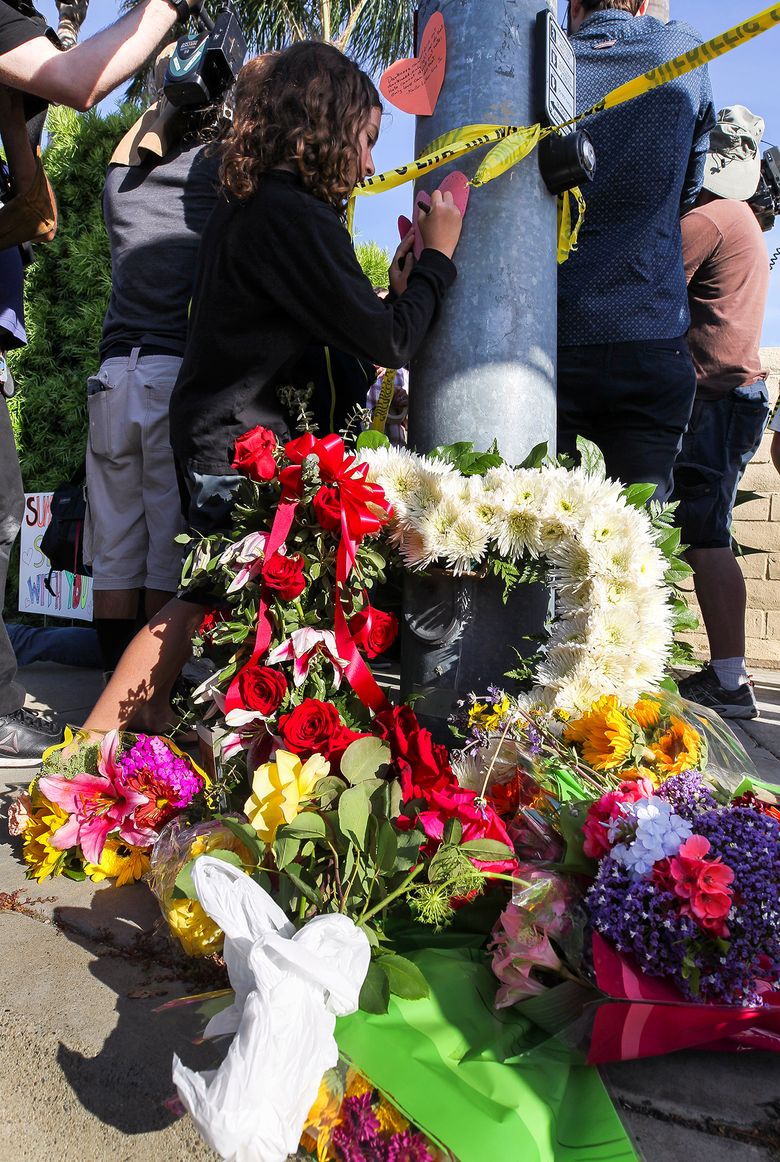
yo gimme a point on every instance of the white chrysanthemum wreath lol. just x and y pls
(612, 631)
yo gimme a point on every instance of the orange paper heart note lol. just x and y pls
(414, 85)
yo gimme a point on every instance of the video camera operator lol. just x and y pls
(32, 64)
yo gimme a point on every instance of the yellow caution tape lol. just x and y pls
(386, 394)
(513, 143)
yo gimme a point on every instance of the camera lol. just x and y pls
(205, 63)
(765, 202)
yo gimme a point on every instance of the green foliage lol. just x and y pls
(375, 261)
(66, 293)
(466, 460)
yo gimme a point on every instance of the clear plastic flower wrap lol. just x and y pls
(177, 846)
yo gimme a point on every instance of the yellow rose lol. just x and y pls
(278, 790)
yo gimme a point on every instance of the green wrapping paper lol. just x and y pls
(475, 1080)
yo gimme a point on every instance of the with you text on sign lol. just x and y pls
(72, 596)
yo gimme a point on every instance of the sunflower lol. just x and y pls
(121, 862)
(605, 734)
(42, 858)
(679, 749)
(647, 713)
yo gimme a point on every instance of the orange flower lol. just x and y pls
(605, 734)
(647, 713)
(679, 749)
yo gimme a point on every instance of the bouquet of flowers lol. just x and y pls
(291, 589)
(98, 811)
(657, 869)
(383, 829)
(351, 1119)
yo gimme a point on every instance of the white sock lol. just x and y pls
(730, 672)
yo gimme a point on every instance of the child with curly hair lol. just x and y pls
(276, 273)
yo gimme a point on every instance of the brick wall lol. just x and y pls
(757, 525)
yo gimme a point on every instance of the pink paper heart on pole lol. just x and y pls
(414, 84)
(456, 184)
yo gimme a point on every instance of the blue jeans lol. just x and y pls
(722, 437)
(64, 644)
(631, 399)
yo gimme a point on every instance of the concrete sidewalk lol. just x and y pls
(85, 1061)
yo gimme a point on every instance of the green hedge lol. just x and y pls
(66, 293)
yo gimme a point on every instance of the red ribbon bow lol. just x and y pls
(364, 509)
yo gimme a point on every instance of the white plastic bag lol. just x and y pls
(290, 987)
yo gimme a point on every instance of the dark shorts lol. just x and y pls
(722, 438)
(631, 399)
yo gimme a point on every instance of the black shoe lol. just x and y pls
(24, 736)
(705, 689)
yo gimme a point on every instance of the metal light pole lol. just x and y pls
(487, 370)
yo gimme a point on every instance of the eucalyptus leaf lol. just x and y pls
(353, 811)
(365, 758)
(404, 977)
(285, 851)
(375, 993)
(409, 843)
(387, 847)
(308, 891)
(247, 834)
(328, 790)
(307, 825)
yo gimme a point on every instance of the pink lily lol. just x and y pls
(97, 805)
(248, 555)
(302, 646)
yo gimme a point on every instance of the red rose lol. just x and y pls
(254, 455)
(423, 765)
(261, 688)
(284, 575)
(374, 630)
(310, 728)
(327, 508)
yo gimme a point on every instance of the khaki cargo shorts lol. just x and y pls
(133, 506)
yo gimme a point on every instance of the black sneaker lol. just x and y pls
(705, 689)
(24, 736)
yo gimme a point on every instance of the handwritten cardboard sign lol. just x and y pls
(72, 596)
(456, 184)
(414, 84)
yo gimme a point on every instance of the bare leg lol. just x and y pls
(720, 589)
(138, 694)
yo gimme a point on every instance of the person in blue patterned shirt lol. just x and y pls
(625, 376)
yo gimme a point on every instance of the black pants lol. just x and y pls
(633, 400)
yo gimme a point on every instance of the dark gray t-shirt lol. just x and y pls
(155, 215)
